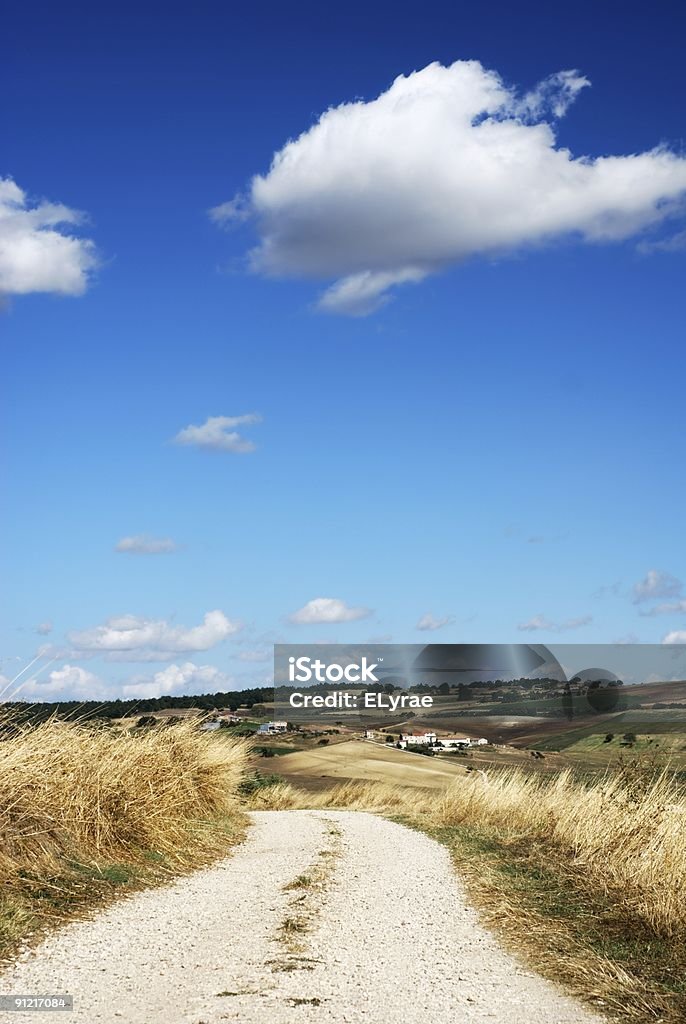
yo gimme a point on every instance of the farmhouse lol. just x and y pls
(454, 742)
(271, 728)
(459, 742)
(417, 739)
(228, 716)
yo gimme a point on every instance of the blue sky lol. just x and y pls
(497, 443)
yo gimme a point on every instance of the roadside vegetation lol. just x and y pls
(586, 876)
(588, 880)
(87, 811)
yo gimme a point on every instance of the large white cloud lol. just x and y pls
(38, 251)
(448, 163)
(327, 610)
(70, 682)
(131, 638)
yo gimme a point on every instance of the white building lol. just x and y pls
(417, 739)
(273, 727)
(459, 742)
(454, 742)
(209, 726)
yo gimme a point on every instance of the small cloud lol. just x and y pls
(428, 622)
(234, 211)
(383, 638)
(327, 610)
(142, 544)
(678, 636)
(540, 622)
(554, 95)
(666, 608)
(43, 628)
(218, 434)
(38, 252)
(656, 584)
(537, 622)
(365, 293)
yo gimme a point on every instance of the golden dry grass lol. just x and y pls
(79, 803)
(587, 880)
(626, 830)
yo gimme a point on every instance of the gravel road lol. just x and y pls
(326, 916)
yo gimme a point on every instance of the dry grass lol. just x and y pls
(626, 830)
(279, 797)
(84, 809)
(587, 880)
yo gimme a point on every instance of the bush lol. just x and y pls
(258, 781)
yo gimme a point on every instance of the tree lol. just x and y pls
(609, 738)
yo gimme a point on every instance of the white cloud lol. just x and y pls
(130, 638)
(678, 636)
(186, 678)
(142, 544)
(362, 294)
(37, 251)
(428, 622)
(328, 610)
(542, 623)
(217, 433)
(667, 608)
(554, 94)
(70, 682)
(234, 211)
(449, 163)
(43, 628)
(656, 584)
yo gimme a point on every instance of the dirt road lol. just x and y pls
(320, 916)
